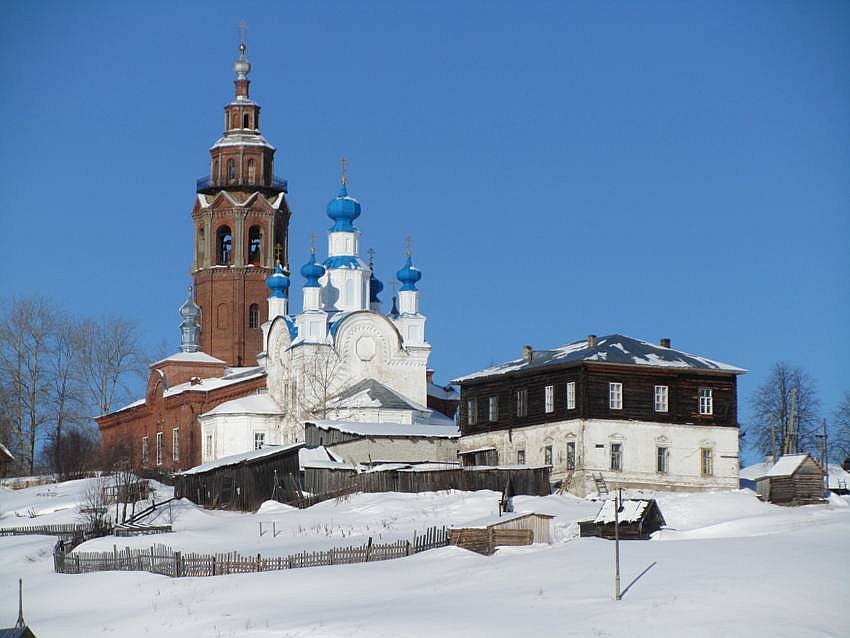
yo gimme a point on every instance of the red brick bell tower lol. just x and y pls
(241, 222)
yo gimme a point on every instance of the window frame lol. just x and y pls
(547, 454)
(571, 455)
(175, 444)
(706, 462)
(520, 456)
(664, 405)
(160, 448)
(261, 437)
(472, 411)
(145, 451)
(549, 399)
(706, 401)
(616, 457)
(493, 408)
(522, 402)
(615, 395)
(253, 316)
(209, 445)
(571, 395)
(662, 459)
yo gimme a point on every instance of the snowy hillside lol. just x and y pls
(726, 565)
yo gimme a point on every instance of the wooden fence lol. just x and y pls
(63, 530)
(160, 559)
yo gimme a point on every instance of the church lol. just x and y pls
(250, 372)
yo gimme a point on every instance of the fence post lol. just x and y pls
(368, 549)
(177, 564)
(407, 548)
(213, 565)
(258, 562)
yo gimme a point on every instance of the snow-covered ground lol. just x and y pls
(738, 567)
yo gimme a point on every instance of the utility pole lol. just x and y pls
(618, 499)
(824, 457)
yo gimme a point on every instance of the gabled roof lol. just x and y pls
(785, 466)
(244, 457)
(370, 393)
(251, 404)
(390, 429)
(613, 349)
(190, 357)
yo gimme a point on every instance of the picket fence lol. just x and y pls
(63, 529)
(161, 559)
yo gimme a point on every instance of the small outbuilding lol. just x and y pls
(637, 520)
(243, 481)
(795, 479)
(485, 535)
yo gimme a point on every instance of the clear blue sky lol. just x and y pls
(658, 169)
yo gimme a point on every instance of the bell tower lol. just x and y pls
(241, 222)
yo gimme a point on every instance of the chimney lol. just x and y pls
(429, 375)
(527, 353)
(665, 342)
(591, 341)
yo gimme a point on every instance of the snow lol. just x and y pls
(251, 404)
(785, 466)
(390, 429)
(190, 357)
(725, 565)
(632, 511)
(233, 459)
(318, 454)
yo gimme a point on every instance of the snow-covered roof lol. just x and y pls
(318, 454)
(369, 393)
(785, 466)
(190, 357)
(633, 510)
(494, 519)
(251, 404)
(231, 376)
(244, 457)
(616, 349)
(390, 429)
(447, 393)
(486, 448)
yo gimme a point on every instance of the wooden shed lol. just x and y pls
(508, 529)
(795, 479)
(243, 481)
(638, 519)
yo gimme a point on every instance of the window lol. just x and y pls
(571, 455)
(246, 120)
(662, 454)
(550, 398)
(616, 457)
(259, 440)
(208, 447)
(472, 411)
(494, 409)
(253, 316)
(201, 247)
(522, 403)
(706, 461)
(145, 451)
(615, 396)
(255, 242)
(706, 402)
(224, 245)
(349, 291)
(175, 444)
(520, 457)
(231, 171)
(661, 393)
(160, 448)
(571, 395)
(547, 455)
(252, 172)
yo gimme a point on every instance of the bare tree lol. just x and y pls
(73, 453)
(786, 416)
(839, 444)
(25, 344)
(65, 391)
(322, 373)
(110, 357)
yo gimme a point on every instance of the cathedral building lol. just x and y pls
(250, 372)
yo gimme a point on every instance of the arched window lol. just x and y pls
(234, 120)
(202, 244)
(257, 117)
(252, 172)
(231, 171)
(246, 120)
(255, 243)
(253, 316)
(215, 176)
(224, 244)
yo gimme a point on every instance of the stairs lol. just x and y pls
(601, 485)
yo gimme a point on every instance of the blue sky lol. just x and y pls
(656, 169)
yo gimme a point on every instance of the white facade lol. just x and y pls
(242, 425)
(685, 449)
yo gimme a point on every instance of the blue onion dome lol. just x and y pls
(409, 275)
(311, 271)
(343, 209)
(375, 286)
(278, 283)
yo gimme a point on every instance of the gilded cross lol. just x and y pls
(409, 241)
(312, 243)
(243, 27)
(343, 169)
(277, 250)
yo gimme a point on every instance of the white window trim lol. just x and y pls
(615, 395)
(175, 444)
(472, 411)
(706, 401)
(145, 451)
(493, 409)
(571, 463)
(160, 447)
(619, 457)
(664, 404)
(571, 395)
(549, 398)
(665, 458)
(522, 402)
(706, 453)
(262, 436)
